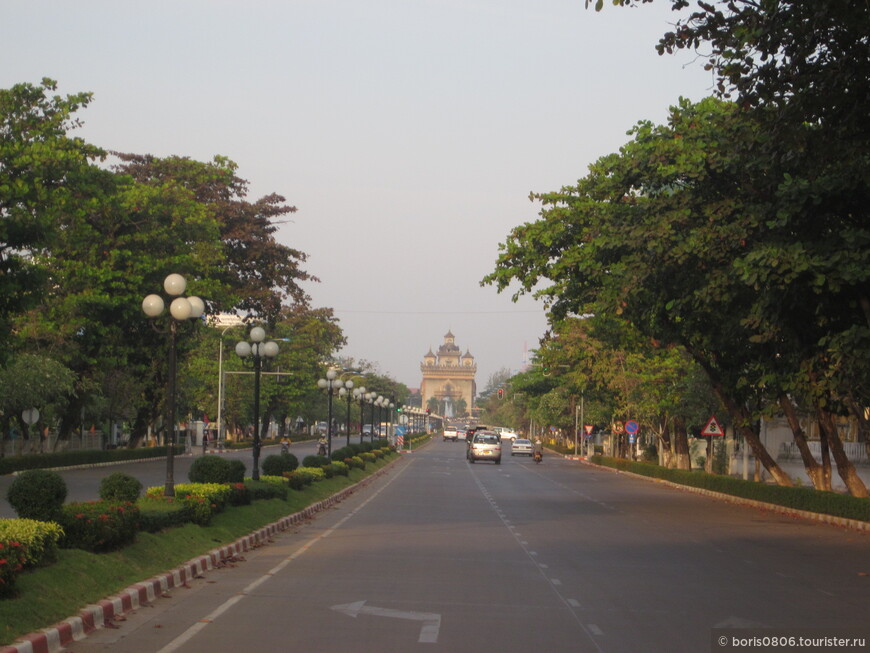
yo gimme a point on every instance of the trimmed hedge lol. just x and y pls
(37, 494)
(798, 498)
(120, 487)
(81, 457)
(99, 526)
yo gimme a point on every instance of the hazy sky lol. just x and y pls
(408, 133)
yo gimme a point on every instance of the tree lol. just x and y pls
(263, 273)
(40, 166)
(31, 381)
(663, 235)
(802, 72)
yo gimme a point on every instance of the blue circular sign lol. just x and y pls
(631, 427)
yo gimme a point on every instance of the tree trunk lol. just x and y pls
(742, 423)
(682, 453)
(814, 470)
(826, 455)
(664, 438)
(845, 468)
(863, 423)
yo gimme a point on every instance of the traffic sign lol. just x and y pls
(713, 427)
(618, 427)
(631, 427)
(588, 428)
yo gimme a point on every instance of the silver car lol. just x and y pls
(485, 445)
(521, 446)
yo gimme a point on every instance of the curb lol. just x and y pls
(103, 613)
(843, 522)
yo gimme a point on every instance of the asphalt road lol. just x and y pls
(441, 555)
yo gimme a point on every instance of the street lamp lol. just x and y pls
(331, 385)
(370, 399)
(259, 350)
(181, 309)
(360, 395)
(345, 391)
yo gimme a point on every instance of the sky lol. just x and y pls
(407, 133)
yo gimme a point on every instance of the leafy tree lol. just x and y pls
(40, 167)
(654, 235)
(263, 273)
(32, 381)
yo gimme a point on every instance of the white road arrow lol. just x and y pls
(431, 621)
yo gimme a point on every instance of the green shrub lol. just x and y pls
(315, 461)
(11, 563)
(159, 513)
(211, 469)
(368, 456)
(268, 487)
(355, 462)
(236, 472)
(99, 526)
(38, 540)
(201, 499)
(37, 494)
(277, 464)
(120, 487)
(296, 480)
(338, 468)
(341, 454)
(240, 495)
(799, 498)
(12, 464)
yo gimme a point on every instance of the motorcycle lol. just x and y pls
(538, 456)
(321, 450)
(285, 448)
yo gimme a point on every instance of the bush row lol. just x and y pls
(46, 523)
(11, 464)
(798, 498)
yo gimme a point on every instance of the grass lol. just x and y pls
(56, 592)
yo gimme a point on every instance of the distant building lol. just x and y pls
(448, 376)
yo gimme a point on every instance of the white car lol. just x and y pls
(451, 433)
(521, 446)
(506, 433)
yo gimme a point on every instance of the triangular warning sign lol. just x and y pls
(713, 427)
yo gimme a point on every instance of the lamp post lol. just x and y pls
(181, 309)
(331, 385)
(345, 391)
(370, 398)
(220, 407)
(259, 350)
(359, 395)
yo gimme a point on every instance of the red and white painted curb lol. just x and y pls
(104, 613)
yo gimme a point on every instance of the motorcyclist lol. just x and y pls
(538, 450)
(285, 444)
(321, 447)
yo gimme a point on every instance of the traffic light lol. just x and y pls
(428, 411)
(501, 393)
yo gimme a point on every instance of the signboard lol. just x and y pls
(588, 428)
(400, 430)
(631, 427)
(618, 427)
(713, 428)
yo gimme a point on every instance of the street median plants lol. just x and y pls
(44, 583)
(797, 498)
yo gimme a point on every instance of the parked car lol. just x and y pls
(521, 446)
(450, 433)
(485, 445)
